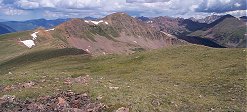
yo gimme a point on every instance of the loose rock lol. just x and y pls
(7, 98)
(81, 80)
(123, 109)
(28, 85)
(113, 88)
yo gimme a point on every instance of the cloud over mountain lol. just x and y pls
(146, 1)
(98, 8)
(220, 6)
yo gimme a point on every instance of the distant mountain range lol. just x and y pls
(124, 31)
(227, 31)
(16, 26)
(33, 24)
(208, 19)
(244, 18)
(175, 26)
(213, 31)
(5, 29)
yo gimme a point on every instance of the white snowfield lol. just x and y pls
(34, 35)
(96, 22)
(28, 43)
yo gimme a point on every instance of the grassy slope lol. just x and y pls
(9, 46)
(188, 78)
(12, 48)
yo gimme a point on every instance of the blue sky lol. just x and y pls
(52, 9)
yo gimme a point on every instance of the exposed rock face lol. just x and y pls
(116, 33)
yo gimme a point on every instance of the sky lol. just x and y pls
(52, 9)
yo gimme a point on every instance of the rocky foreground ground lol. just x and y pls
(62, 102)
(65, 102)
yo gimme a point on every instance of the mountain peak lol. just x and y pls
(228, 16)
(118, 15)
(243, 17)
(76, 20)
(73, 23)
(90, 18)
(121, 20)
(220, 20)
(142, 18)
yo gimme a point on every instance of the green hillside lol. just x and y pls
(184, 78)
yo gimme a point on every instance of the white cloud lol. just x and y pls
(25, 4)
(146, 1)
(99, 8)
(237, 13)
(220, 6)
(237, 4)
(59, 3)
(11, 11)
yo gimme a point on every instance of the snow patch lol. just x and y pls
(134, 41)
(50, 29)
(96, 22)
(28, 43)
(150, 22)
(34, 35)
(104, 53)
(87, 50)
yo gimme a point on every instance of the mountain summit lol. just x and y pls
(116, 33)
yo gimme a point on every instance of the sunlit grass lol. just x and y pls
(185, 78)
